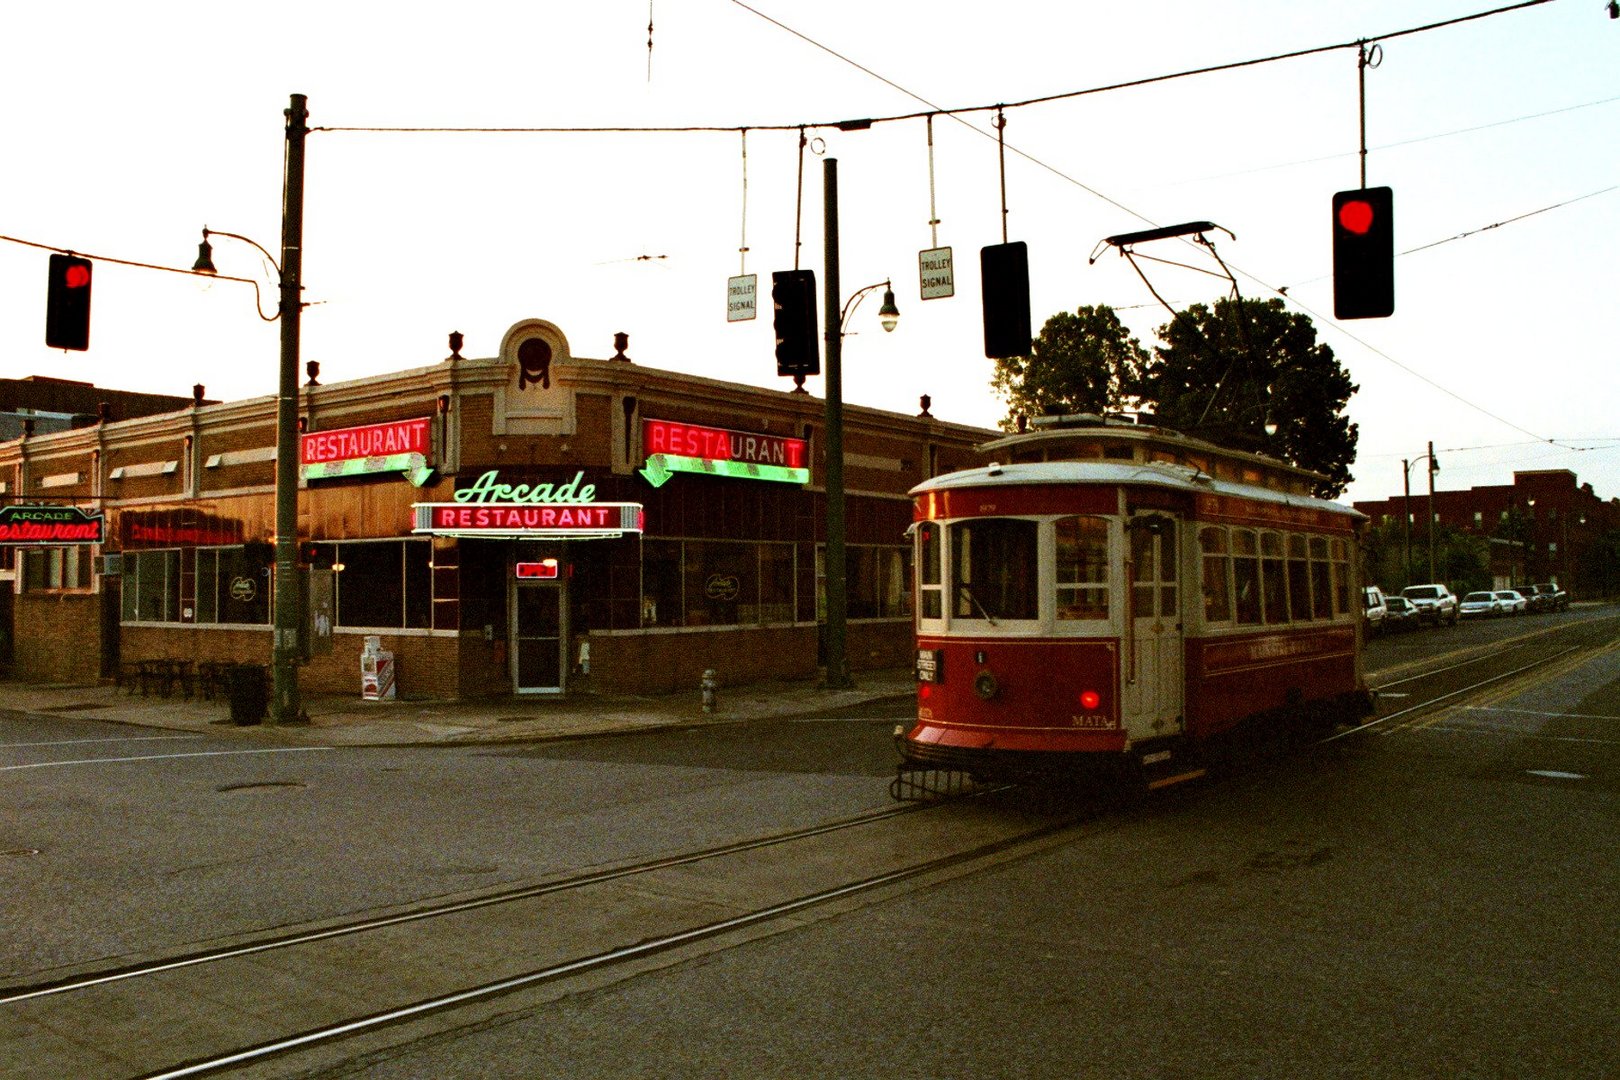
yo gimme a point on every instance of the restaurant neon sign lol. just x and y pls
(490, 508)
(396, 446)
(696, 448)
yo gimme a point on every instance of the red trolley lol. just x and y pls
(1115, 595)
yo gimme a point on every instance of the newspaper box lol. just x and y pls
(376, 671)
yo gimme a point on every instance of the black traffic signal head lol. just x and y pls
(793, 294)
(67, 303)
(1004, 282)
(1364, 254)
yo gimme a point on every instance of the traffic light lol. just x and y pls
(793, 295)
(1004, 281)
(1364, 254)
(67, 303)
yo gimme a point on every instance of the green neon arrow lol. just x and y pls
(657, 471)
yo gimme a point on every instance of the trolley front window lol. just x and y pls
(994, 569)
(929, 585)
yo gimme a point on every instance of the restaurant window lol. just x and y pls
(386, 584)
(151, 586)
(877, 582)
(661, 583)
(716, 583)
(53, 568)
(232, 586)
(1082, 568)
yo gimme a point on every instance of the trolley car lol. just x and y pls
(1115, 596)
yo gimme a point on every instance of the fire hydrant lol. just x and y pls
(709, 684)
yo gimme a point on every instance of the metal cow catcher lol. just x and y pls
(1117, 595)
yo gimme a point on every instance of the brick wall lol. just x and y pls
(62, 642)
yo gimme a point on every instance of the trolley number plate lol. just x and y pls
(930, 665)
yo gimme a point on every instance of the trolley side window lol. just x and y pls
(1341, 577)
(930, 604)
(1217, 576)
(1299, 580)
(1246, 576)
(994, 569)
(1273, 578)
(1321, 579)
(1082, 568)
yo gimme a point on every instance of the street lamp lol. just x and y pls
(284, 702)
(888, 315)
(1406, 481)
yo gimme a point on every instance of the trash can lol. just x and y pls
(247, 693)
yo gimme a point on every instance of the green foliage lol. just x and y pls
(1227, 374)
(1081, 363)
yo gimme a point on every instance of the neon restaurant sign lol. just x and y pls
(397, 446)
(490, 508)
(51, 525)
(693, 448)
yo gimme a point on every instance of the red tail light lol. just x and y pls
(1089, 700)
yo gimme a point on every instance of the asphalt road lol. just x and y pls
(1432, 897)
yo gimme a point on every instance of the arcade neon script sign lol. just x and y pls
(490, 508)
(51, 525)
(397, 446)
(694, 448)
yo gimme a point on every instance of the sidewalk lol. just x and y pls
(351, 721)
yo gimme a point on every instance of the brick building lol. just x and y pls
(1545, 526)
(532, 522)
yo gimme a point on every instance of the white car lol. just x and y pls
(1513, 603)
(1477, 604)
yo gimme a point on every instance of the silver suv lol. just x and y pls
(1435, 603)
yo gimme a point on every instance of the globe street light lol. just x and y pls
(284, 702)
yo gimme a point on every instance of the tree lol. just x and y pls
(1081, 363)
(1251, 375)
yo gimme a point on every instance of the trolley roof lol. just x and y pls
(1158, 474)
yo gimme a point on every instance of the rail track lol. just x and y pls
(211, 1011)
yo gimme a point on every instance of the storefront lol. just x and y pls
(528, 524)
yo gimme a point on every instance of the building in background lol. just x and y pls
(1544, 527)
(529, 523)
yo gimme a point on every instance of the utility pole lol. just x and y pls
(1432, 471)
(836, 571)
(284, 701)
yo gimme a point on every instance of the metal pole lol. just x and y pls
(1431, 513)
(285, 706)
(1406, 514)
(837, 598)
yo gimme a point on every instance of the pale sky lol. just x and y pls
(132, 126)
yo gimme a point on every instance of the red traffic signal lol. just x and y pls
(67, 303)
(1364, 254)
(1004, 288)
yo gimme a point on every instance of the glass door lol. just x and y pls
(539, 638)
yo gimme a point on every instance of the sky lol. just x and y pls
(133, 126)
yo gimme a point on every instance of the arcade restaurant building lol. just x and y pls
(531, 523)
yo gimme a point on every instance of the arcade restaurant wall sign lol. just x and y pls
(490, 508)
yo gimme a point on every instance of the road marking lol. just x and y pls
(1554, 774)
(75, 742)
(1537, 712)
(1507, 733)
(165, 757)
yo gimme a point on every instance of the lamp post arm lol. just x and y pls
(855, 302)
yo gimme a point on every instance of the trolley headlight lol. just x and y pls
(985, 685)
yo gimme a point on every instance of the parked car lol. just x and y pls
(1374, 609)
(1435, 603)
(1559, 598)
(1534, 601)
(1479, 605)
(1513, 602)
(1399, 614)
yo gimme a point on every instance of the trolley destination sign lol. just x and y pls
(51, 525)
(696, 448)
